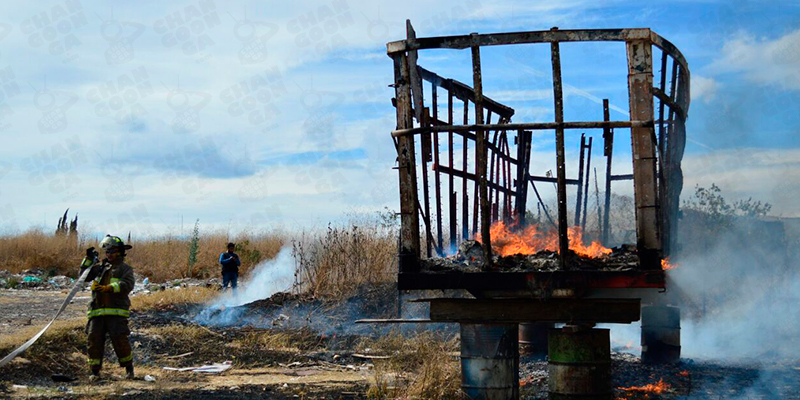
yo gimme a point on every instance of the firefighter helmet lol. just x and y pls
(113, 242)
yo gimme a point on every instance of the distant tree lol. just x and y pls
(711, 201)
(63, 228)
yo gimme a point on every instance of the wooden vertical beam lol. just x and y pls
(563, 239)
(409, 251)
(464, 195)
(676, 143)
(640, 88)
(662, 183)
(522, 178)
(425, 150)
(586, 185)
(436, 178)
(477, 84)
(608, 150)
(450, 192)
(579, 194)
(506, 179)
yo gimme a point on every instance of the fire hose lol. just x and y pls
(78, 284)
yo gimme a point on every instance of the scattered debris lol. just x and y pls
(208, 369)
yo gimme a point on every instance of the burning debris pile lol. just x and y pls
(534, 249)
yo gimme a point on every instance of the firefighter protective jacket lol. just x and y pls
(118, 276)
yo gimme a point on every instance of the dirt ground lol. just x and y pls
(20, 308)
(165, 338)
(291, 362)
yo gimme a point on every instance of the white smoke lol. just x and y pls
(268, 277)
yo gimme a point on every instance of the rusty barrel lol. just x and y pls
(661, 334)
(533, 338)
(579, 364)
(490, 361)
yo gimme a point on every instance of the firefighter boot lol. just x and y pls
(129, 372)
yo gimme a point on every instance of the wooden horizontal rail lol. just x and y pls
(530, 125)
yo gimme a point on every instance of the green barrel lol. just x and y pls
(579, 364)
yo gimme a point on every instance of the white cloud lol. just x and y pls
(704, 88)
(764, 61)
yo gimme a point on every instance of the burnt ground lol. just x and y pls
(311, 361)
(690, 379)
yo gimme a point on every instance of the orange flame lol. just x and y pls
(532, 240)
(666, 266)
(655, 388)
(684, 373)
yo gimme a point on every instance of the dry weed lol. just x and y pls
(61, 348)
(160, 258)
(436, 373)
(335, 263)
(168, 297)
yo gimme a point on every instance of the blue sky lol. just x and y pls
(252, 115)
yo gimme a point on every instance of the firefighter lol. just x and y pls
(112, 281)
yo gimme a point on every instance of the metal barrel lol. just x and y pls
(490, 361)
(661, 334)
(533, 338)
(579, 365)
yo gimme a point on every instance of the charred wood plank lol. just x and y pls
(409, 251)
(463, 92)
(527, 125)
(640, 85)
(472, 177)
(524, 310)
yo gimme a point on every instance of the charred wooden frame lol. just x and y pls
(500, 175)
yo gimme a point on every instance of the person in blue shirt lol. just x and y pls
(230, 267)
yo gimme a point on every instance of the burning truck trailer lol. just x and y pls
(522, 278)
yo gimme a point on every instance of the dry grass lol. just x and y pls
(159, 258)
(168, 297)
(61, 348)
(333, 264)
(436, 373)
